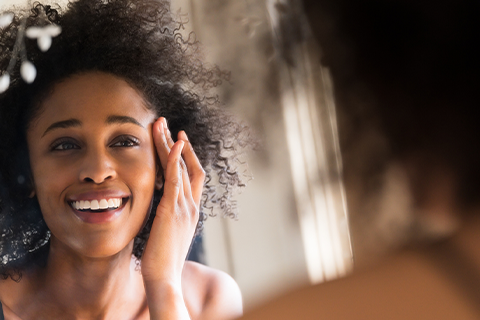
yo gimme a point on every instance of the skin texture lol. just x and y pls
(115, 147)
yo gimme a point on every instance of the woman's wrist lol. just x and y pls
(165, 300)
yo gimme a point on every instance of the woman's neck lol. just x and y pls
(85, 287)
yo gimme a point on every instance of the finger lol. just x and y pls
(185, 178)
(161, 143)
(183, 167)
(168, 135)
(173, 176)
(196, 174)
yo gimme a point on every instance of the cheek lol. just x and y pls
(138, 172)
(49, 192)
(50, 179)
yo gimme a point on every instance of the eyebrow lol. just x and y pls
(77, 123)
(63, 124)
(123, 119)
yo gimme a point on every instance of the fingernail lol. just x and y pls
(185, 135)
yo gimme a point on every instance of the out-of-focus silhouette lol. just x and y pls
(408, 71)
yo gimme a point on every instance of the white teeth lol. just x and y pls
(94, 205)
(103, 204)
(97, 204)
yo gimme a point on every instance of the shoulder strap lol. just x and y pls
(458, 268)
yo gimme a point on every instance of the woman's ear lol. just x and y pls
(158, 178)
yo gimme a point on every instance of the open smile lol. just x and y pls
(97, 205)
(98, 210)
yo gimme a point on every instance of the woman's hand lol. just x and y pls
(174, 225)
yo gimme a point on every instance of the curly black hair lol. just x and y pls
(141, 42)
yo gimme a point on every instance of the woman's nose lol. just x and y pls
(97, 167)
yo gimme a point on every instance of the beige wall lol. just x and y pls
(263, 250)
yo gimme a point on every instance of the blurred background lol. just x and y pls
(292, 228)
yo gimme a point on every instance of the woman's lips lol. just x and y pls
(98, 210)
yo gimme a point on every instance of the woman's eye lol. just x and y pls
(126, 142)
(64, 145)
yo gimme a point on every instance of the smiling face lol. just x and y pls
(93, 163)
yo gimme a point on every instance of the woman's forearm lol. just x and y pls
(165, 301)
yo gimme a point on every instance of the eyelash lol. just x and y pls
(62, 142)
(59, 145)
(133, 142)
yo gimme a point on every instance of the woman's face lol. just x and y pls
(91, 147)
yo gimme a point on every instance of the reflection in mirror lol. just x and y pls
(113, 150)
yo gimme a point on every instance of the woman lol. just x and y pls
(102, 163)
(406, 76)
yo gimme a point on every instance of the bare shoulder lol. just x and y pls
(11, 293)
(403, 287)
(210, 293)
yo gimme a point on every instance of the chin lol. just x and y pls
(98, 246)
